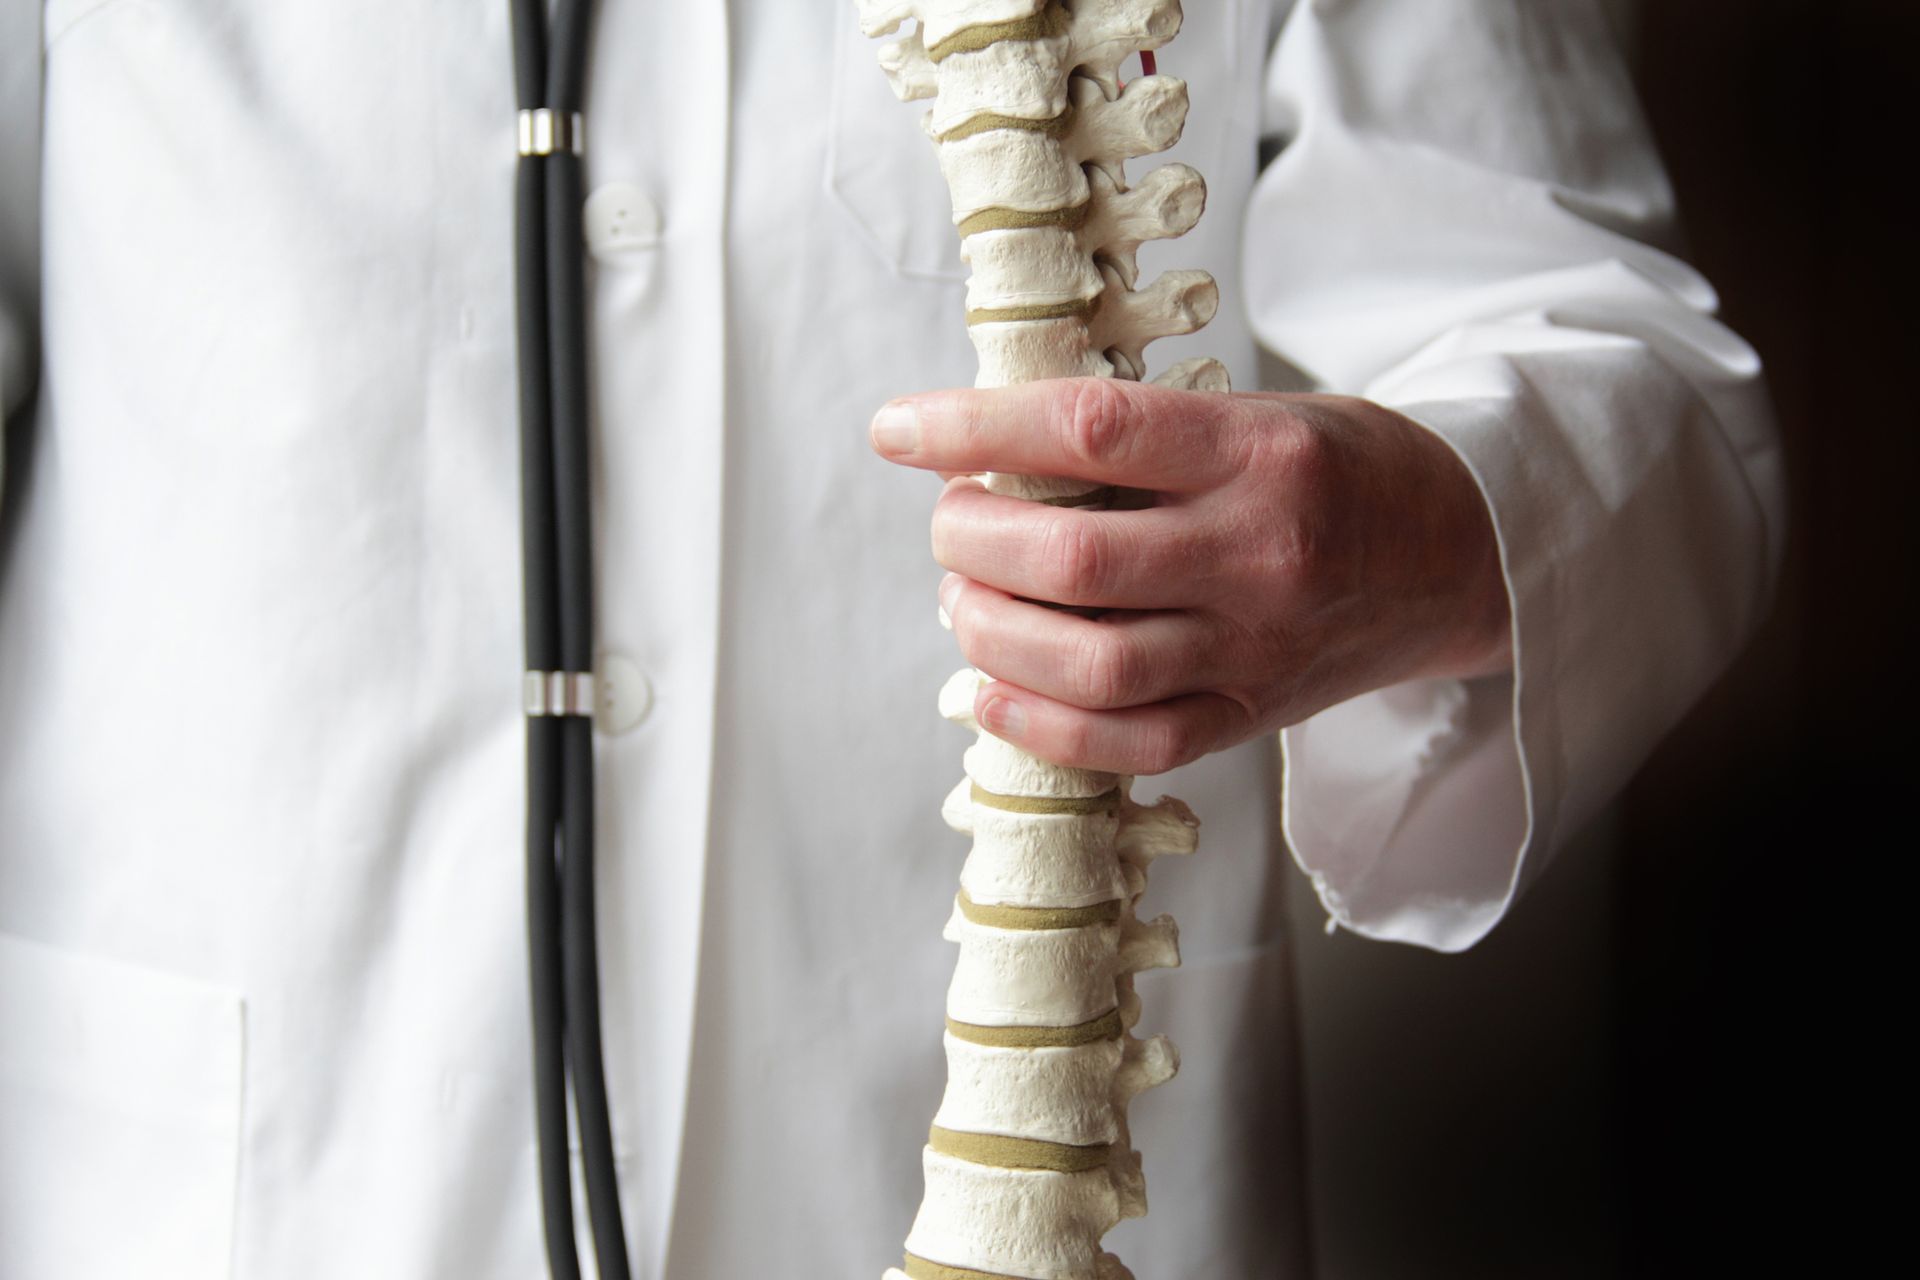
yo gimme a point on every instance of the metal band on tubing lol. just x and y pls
(544, 131)
(559, 693)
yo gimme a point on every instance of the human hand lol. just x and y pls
(1295, 551)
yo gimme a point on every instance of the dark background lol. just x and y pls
(1766, 843)
(1674, 1058)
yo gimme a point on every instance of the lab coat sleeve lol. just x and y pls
(1467, 222)
(20, 76)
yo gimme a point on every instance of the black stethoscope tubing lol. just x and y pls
(557, 577)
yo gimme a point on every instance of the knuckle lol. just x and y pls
(1078, 742)
(970, 635)
(1290, 445)
(1095, 420)
(1295, 560)
(1167, 745)
(1309, 566)
(1109, 670)
(1075, 558)
(1308, 453)
(940, 533)
(981, 640)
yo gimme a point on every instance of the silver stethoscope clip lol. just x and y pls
(559, 693)
(544, 131)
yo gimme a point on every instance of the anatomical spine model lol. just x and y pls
(1029, 1162)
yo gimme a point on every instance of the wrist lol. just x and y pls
(1438, 554)
(1475, 638)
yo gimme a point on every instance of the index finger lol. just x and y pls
(1106, 430)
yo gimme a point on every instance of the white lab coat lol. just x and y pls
(262, 995)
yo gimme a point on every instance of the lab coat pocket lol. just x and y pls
(120, 1094)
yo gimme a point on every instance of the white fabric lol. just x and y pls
(1477, 249)
(260, 773)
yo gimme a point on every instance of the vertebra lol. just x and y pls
(1029, 1161)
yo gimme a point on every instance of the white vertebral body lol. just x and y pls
(1030, 1162)
(1055, 1095)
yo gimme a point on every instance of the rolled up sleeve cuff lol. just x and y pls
(1635, 550)
(1410, 807)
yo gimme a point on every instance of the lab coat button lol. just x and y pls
(621, 221)
(624, 693)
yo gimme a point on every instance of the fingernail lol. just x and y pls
(949, 592)
(1004, 718)
(896, 428)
